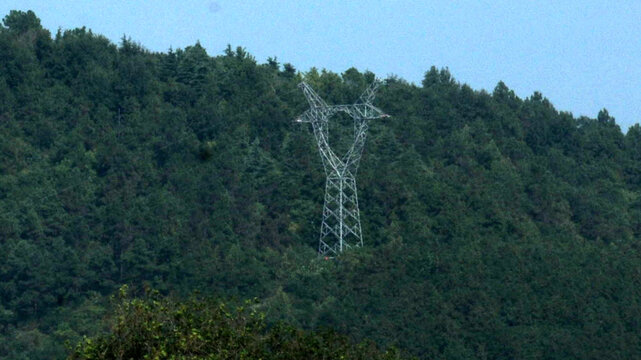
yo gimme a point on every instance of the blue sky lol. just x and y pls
(582, 55)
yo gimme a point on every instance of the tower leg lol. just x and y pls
(341, 225)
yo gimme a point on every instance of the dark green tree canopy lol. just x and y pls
(19, 22)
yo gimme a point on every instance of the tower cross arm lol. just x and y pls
(364, 111)
(361, 111)
(316, 114)
(306, 117)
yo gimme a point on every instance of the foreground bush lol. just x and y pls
(158, 328)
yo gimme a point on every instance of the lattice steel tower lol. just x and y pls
(341, 226)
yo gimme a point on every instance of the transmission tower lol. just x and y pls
(341, 225)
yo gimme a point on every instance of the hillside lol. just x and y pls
(495, 227)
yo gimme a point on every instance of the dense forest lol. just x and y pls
(495, 227)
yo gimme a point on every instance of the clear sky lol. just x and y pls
(582, 55)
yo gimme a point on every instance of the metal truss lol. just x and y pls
(341, 225)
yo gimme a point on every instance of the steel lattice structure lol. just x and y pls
(341, 225)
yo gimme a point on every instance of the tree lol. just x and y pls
(19, 22)
(158, 328)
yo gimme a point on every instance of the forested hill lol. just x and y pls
(495, 227)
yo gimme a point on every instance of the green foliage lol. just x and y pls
(158, 328)
(20, 22)
(495, 227)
